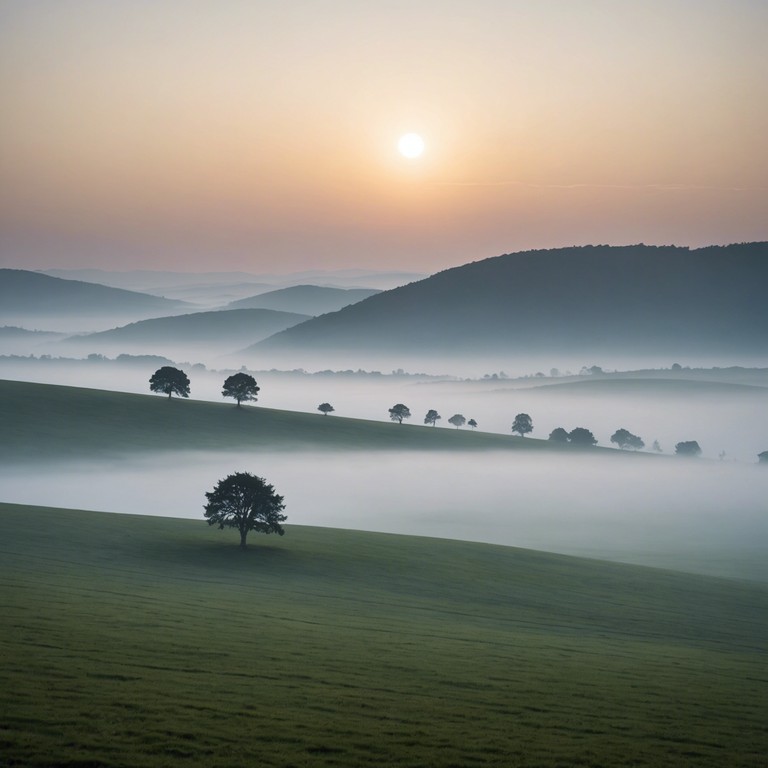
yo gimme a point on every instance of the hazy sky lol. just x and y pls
(262, 135)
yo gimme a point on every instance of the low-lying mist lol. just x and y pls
(687, 514)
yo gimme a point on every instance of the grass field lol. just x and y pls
(134, 641)
(56, 422)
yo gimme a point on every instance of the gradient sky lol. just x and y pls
(234, 134)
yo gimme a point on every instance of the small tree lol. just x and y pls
(242, 387)
(688, 448)
(325, 408)
(625, 439)
(399, 412)
(457, 420)
(522, 424)
(472, 423)
(169, 381)
(432, 417)
(581, 436)
(762, 458)
(558, 435)
(656, 447)
(245, 502)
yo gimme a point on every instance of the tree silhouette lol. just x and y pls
(763, 457)
(625, 439)
(457, 420)
(581, 436)
(558, 435)
(242, 387)
(245, 502)
(688, 448)
(656, 447)
(325, 408)
(169, 381)
(472, 423)
(399, 412)
(522, 424)
(432, 417)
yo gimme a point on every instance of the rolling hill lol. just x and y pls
(24, 293)
(221, 331)
(593, 299)
(306, 299)
(148, 642)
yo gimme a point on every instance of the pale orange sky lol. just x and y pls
(179, 134)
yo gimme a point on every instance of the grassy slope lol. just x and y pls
(54, 422)
(137, 641)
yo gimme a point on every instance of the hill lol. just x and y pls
(591, 299)
(131, 641)
(24, 293)
(224, 331)
(56, 422)
(306, 299)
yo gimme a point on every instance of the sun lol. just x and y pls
(411, 145)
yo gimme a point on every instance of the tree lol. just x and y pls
(763, 457)
(581, 436)
(457, 420)
(242, 387)
(656, 447)
(399, 412)
(558, 435)
(169, 381)
(625, 439)
(245, 502)
(522, 424)
(325, 408)
(432, 417)
(688, 448)
(472, 423)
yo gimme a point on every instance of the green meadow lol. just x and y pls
(137, 641)
(55, 422)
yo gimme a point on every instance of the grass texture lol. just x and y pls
(138, 642)
(57, 422)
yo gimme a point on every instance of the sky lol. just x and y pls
(262, 136)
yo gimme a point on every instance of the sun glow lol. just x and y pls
(411, 145)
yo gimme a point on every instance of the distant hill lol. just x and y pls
(24, 293)
(306, 299)
(225, 330)
(593, 298)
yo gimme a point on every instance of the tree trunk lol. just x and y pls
(243, 534)
(169, 394)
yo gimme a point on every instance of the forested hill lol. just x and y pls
(592, 298)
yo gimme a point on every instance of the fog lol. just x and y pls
(692, 515)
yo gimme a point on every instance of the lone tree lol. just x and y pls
(325, 408)
(558, 435)
(581, 436)
(169, 381)
(522, 424)
(472, 423)
(242, 387)
(656, 447)
(245, 502)
(457, 420)
(688, 448)
(625, 439)
(432, 417)
(399, 412)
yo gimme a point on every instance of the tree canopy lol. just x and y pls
(242, 387)
(245, 502)
(581, 436)
(688, 448)
(169, 381)
(399, 412)
(522, 424)
(558, 435)
(325, 408)
(625, 439)
(457, 420)
(432, 417)
(472, 423)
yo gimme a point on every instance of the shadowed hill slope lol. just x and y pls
(306, 299)
(634, 298)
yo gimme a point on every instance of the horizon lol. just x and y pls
(180, 136)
